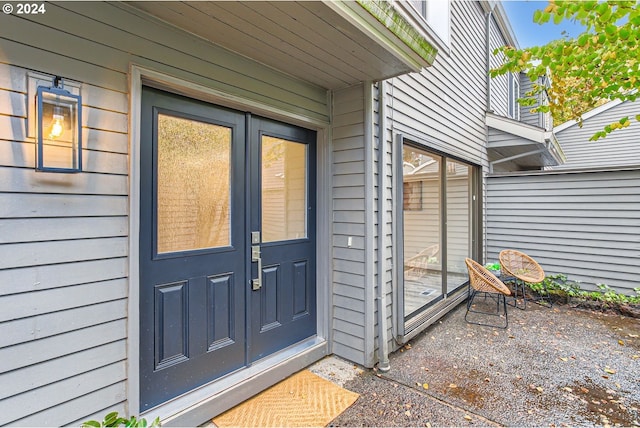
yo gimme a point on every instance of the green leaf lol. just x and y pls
(583, 39)
(638, 117)
(602, 8)
(111, 415)
(537, 16)
(111, 420)
(624, 33)
(624, 120)
(597, 136)
(557, 19)
(91, 424)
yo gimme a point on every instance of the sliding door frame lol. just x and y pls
(408, 327)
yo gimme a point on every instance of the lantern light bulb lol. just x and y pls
(57, 126)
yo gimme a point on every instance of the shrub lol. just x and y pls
(113, 420)
(560, 285)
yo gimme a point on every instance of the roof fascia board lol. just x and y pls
(555, 149)
(487, 5)
(528, 132)
(383, 24)
(565, 171)
(501, 18)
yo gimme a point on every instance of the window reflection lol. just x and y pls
(421, 213)
(437, 234)
(284, 189)
(458, 222)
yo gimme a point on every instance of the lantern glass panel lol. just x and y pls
(60, 142)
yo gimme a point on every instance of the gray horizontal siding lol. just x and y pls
(526, 116)
(348, 323)
(64, 237)
(443, 108)
(444, 105)
(585, 225)
(619, 148)
(64, 249)
(499, 100)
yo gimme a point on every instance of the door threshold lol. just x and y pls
(202, 404)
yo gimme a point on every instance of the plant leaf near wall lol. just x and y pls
(113, 420)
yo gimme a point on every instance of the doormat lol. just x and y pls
(302, 400)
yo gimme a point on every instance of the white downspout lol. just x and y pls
(381, 296)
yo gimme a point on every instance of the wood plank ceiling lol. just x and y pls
(308, 40)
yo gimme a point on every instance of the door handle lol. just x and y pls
(256, 283)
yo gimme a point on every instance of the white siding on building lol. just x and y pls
(585, 225)
(64, 237)
(619, 148)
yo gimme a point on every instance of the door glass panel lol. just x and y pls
(284, 189)
(421, 213)
(458, 222)
(193, 191)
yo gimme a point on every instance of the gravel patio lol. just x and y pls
(555, 366)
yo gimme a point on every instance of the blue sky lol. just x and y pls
(528, 32)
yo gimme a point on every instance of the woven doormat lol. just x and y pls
(301, 400)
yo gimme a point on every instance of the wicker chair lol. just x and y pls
(483, 281)
(418, 265)
(524, 269)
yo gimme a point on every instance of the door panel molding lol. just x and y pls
(171, 324)
(221, 331)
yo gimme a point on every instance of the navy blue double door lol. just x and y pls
(227, 242)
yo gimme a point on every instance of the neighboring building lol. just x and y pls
(579, 218)
(334, 191)
(518, 140)
(620, 148)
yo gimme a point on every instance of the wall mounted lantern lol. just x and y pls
(59, 142)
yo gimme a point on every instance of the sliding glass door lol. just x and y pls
(437, 226)
(421, 207)
(458, 196)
